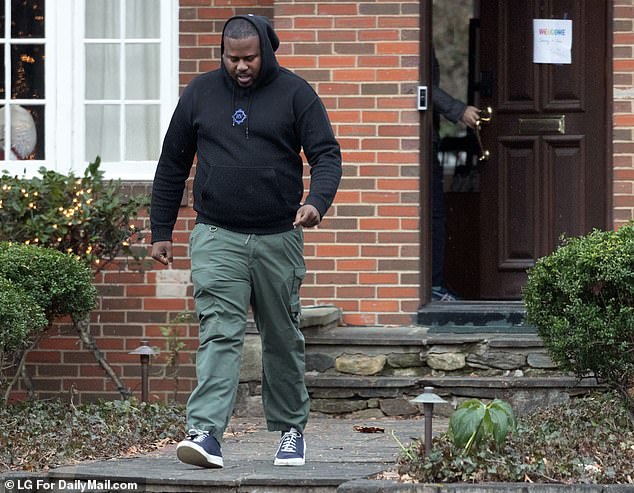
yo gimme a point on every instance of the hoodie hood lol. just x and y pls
(269, 42)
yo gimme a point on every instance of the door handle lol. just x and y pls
(486, 115)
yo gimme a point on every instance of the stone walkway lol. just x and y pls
(337, 452)
(340, 459)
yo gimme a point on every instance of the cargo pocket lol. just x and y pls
(295, 302)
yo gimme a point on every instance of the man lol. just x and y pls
(247, 122)
(454, 110)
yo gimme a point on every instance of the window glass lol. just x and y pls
(27, 123)
(143, 19)
(27, 71)
(102, 132)
(27, 18)
(102, 71)
(123, 82)
(2, 72)
(22, 57)
(142, 71)
(142, 136)
(2, 19)
(102, 19)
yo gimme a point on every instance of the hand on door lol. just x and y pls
(471, 116)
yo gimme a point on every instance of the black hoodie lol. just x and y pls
(248, 141)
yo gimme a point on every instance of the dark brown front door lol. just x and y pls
(548, 171)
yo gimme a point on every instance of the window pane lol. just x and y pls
(27, 132)
(27, 18)
(142, 71)
(102, 19)
(142, 125)
(143, 19)
(27, 71)
(102, 71)
(2, 19)
(102, 132)
(2, 89)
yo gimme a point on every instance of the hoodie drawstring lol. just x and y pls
(246, 130)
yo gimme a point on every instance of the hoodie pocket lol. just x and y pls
(245, 196)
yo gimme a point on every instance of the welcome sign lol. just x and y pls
(552, 41)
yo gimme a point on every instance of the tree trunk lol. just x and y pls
(82, 326)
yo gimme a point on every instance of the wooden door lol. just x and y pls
(548, 171)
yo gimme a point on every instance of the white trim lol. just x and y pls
(78, 87)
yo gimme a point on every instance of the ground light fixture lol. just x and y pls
(144, 351)
(428, 399)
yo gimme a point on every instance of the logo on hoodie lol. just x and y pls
(239, 117)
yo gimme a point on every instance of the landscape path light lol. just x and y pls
(144, 351)
(428, 399)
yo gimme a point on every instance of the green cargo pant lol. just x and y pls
(231, 271)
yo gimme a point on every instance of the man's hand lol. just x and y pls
(162, 252)
(471, 116)
(307, 216)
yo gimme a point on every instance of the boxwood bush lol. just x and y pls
(581, 300)
(37, 284)
(19, 317)
(57, 282)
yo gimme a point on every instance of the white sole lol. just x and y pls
(195, 455)
(291, 462)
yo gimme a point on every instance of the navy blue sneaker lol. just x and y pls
(292, 449)
(200, 449)
(440, 293)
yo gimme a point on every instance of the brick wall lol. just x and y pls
(362, 58)
(623, 120)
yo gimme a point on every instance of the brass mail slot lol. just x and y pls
(550, 124)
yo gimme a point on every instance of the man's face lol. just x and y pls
(242, 59)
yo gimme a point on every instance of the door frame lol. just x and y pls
(425, 157)
(426, 129)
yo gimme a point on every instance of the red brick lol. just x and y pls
(359, 319)
(347, 197)
(356, 292)
(361, 75)
(337, 250)
(378, 278)
(379, 251)
(379, 35)
(338, 9)
(312, 22)
(379, 305)
(357, 265)
(397, 292)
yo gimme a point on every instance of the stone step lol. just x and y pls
(474, 316)
(391, 396)
(376, 371)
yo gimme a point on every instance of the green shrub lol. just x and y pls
(19, 317)
(57, 282)
(37, 285)
(581, 300)
(88, 216)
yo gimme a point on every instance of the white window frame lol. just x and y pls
(65, 93)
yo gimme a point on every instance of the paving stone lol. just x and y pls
(360, 364)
